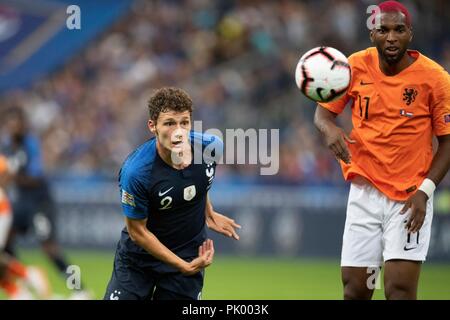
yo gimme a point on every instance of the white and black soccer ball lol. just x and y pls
(323, 74)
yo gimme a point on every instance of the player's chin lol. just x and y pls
(392, 59)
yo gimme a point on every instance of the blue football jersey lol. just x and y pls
(172, 200)
(25, 155)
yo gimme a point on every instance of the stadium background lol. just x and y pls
(85, 92)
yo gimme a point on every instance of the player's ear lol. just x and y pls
(152, 126)
(411, 34)
(371, 35)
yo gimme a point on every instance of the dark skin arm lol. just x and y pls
(418, 201)
(335, 137)
(4, 179)
(24, 180)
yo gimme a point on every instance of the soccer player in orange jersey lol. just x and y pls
(399, 100)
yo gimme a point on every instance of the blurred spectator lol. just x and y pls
(236, 58)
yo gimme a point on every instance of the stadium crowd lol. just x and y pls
(235, 58)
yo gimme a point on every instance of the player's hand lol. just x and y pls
(222, 224)
(336, 140)
(204, 259)
(418, 204)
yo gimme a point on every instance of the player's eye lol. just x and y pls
(169, 123)
(184, 123)
(381, 30)
(400, 29)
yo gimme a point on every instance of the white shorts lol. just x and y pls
(375, 230)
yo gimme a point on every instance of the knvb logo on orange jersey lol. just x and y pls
(409, 95)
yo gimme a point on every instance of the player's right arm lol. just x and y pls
(137, 229)
(335, 137)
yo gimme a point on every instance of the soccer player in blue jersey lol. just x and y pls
(34, 207)
(163, 249)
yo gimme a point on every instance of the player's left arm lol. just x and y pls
(439, 100)
(418, 202)
(441, 160)
(220, 223)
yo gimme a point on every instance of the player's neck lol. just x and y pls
(393, 69)
(176, 160)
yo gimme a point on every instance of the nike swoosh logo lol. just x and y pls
(163, 193)
(365, 83)
(319, 93)
(407, 249)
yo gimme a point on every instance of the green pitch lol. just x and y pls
(246, 278)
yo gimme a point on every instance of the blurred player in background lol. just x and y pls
(400, 99)
(163, 248)
(34, 207)
(17, 280)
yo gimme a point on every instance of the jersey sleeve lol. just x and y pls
(338, 105)
(134, 195)
(211, 147)
(440, 105)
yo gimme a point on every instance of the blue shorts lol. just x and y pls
(132, 281)
(38, 215)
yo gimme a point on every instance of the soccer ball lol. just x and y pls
(323, 74)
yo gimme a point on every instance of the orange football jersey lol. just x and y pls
(5, 207)
(394, 119)
(3, 164)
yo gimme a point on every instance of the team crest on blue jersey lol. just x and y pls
(189, 193)
(128, 198)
